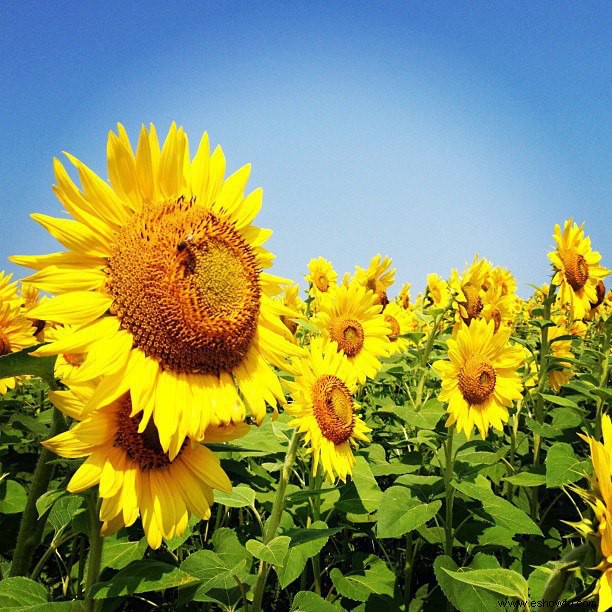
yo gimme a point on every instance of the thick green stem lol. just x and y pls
(275, 518)
(315, 485)
(31, 528)
(95, 554)
(424, 359)
(450, 493)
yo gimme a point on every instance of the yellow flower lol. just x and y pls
(559, 349)
(502, 278)
(325, 410)
(468, 289)
(351, 318)
(438, 291)
(481, 379)
(404, 296)
(498, 307)
(290, 299)
(577, 269)
(322, 277)
(16, 333)
(8, 289)
(377, 277)
(163, 275)
(137, 477)
(30, 298)
(401, 322)
(601, 502)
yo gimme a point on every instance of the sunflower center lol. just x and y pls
(186, 285)
(600, 292)
(321, 281)
(395, 327)
(5, 344)
(379, 290)
(476, 379)
(348, 333)
(143, 448)
(576, 270)
(473, 304)
(497, 318)
(333, 408)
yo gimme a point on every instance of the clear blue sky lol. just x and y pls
(426, 131)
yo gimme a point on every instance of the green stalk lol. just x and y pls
(31, 528)
(275, 518)
(95, 554)
(315, 485)
(424, 359)
(603, 382)
(408, 569)
(450, 493)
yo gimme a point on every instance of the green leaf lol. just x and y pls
(363, 495)
(273, 552)
(400, 513)
(21, 593)
(209, 569)
(13, 497)
(466, 597)
(116, 553)
(240, 497)
(429, 415)
(142, 577)
(303, 547)
(228, 547)
(45, 501)
(528, 478)
(22, 364)
(563, 467)
(63, 511)
(306, 601)
(502, 511)
(559, 401)
(360, 585)
(502, 581)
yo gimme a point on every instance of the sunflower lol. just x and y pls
(8, 289)
(600, 499)
(16, 333)
(163, 274)
(136, 476)
(324, 408)
(30, 298)
(502, 278)
(401, 322)
(351, 319)
(559, 349)
(404, 296)
(498, 306)
(481, 379)
(577, 269)
(290, 298)
(377, 277)
(437, 290)
(468, 289)
(322, 277)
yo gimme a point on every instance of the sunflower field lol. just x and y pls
(181, 429)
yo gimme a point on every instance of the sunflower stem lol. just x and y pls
(315, 485)
(95, 553)
(275, 518)
(450, 492)
(603, 381)
(31, 528)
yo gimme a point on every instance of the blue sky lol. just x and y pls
(426, 131)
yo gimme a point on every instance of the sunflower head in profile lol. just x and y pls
(377, 277)
(16, 333)
(322, 278)
(136, 477)
(163, 274)
(468, 289)
(291, 300)
(352, 320)
(404, 296)
(325, 410)
(481, 380)
(577, 269)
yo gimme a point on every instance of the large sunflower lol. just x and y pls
(577, 269)
(163, 273)
(136, 476)
(325, 410)
(351, 318)
(16, 333)
(481, 379)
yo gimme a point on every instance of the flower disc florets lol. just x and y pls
(333, 408)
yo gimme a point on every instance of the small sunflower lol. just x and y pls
(322, 277)
(468, 289)
(401, 322)
(600, 499)
(377, 277)
(136, 476)
(559, 349)
(577, 269)
(163, 276)
(481, 380)
(498, 307)
(437, 290)
(325, 410)
(290, 299)
(351, 318)
(502, 278)
(404, 296)
(16, 333)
